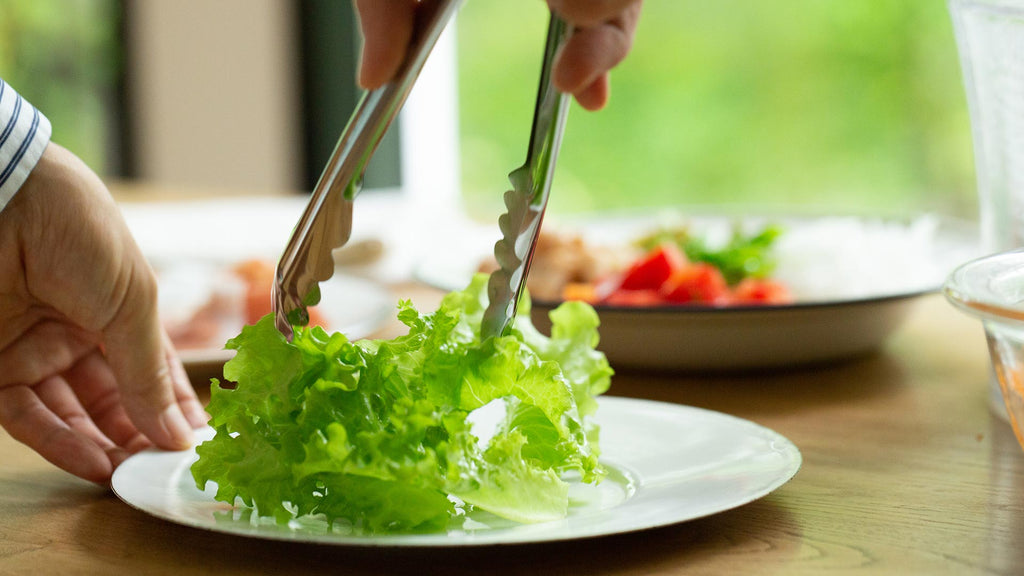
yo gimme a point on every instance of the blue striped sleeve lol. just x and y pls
(24, 134)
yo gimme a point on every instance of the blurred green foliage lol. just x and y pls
(845, 106)
(64, 57)
(848, 106)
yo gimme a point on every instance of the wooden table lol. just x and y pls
(905, 472)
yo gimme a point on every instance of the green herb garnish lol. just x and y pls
(745, 255)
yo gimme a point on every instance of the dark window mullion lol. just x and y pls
(328, 52)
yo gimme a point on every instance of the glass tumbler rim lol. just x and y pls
(980, 287)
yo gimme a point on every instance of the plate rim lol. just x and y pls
(792, 461)
(747, 308)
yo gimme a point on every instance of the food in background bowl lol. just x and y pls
(562, 260)
(853, 281)
(672, 266)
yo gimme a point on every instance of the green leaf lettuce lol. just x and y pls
(406, 435)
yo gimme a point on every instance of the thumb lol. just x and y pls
(134, 347)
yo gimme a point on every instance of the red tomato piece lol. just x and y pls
(699, 283)
(656, 267)
(761, 291)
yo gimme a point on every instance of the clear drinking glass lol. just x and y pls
(990, 39)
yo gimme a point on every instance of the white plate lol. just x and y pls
(867, 277)
(668, 464)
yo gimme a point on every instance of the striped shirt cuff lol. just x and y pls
(24, 134)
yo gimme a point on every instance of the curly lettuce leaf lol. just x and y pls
(384, 435)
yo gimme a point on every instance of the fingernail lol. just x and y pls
(178, 429)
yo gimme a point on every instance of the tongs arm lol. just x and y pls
(526, 202)
(326, 223)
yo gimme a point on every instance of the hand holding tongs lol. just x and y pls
(526, 202)
(326, 223)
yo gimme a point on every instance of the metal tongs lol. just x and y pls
(326, 224)
(531, 183)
